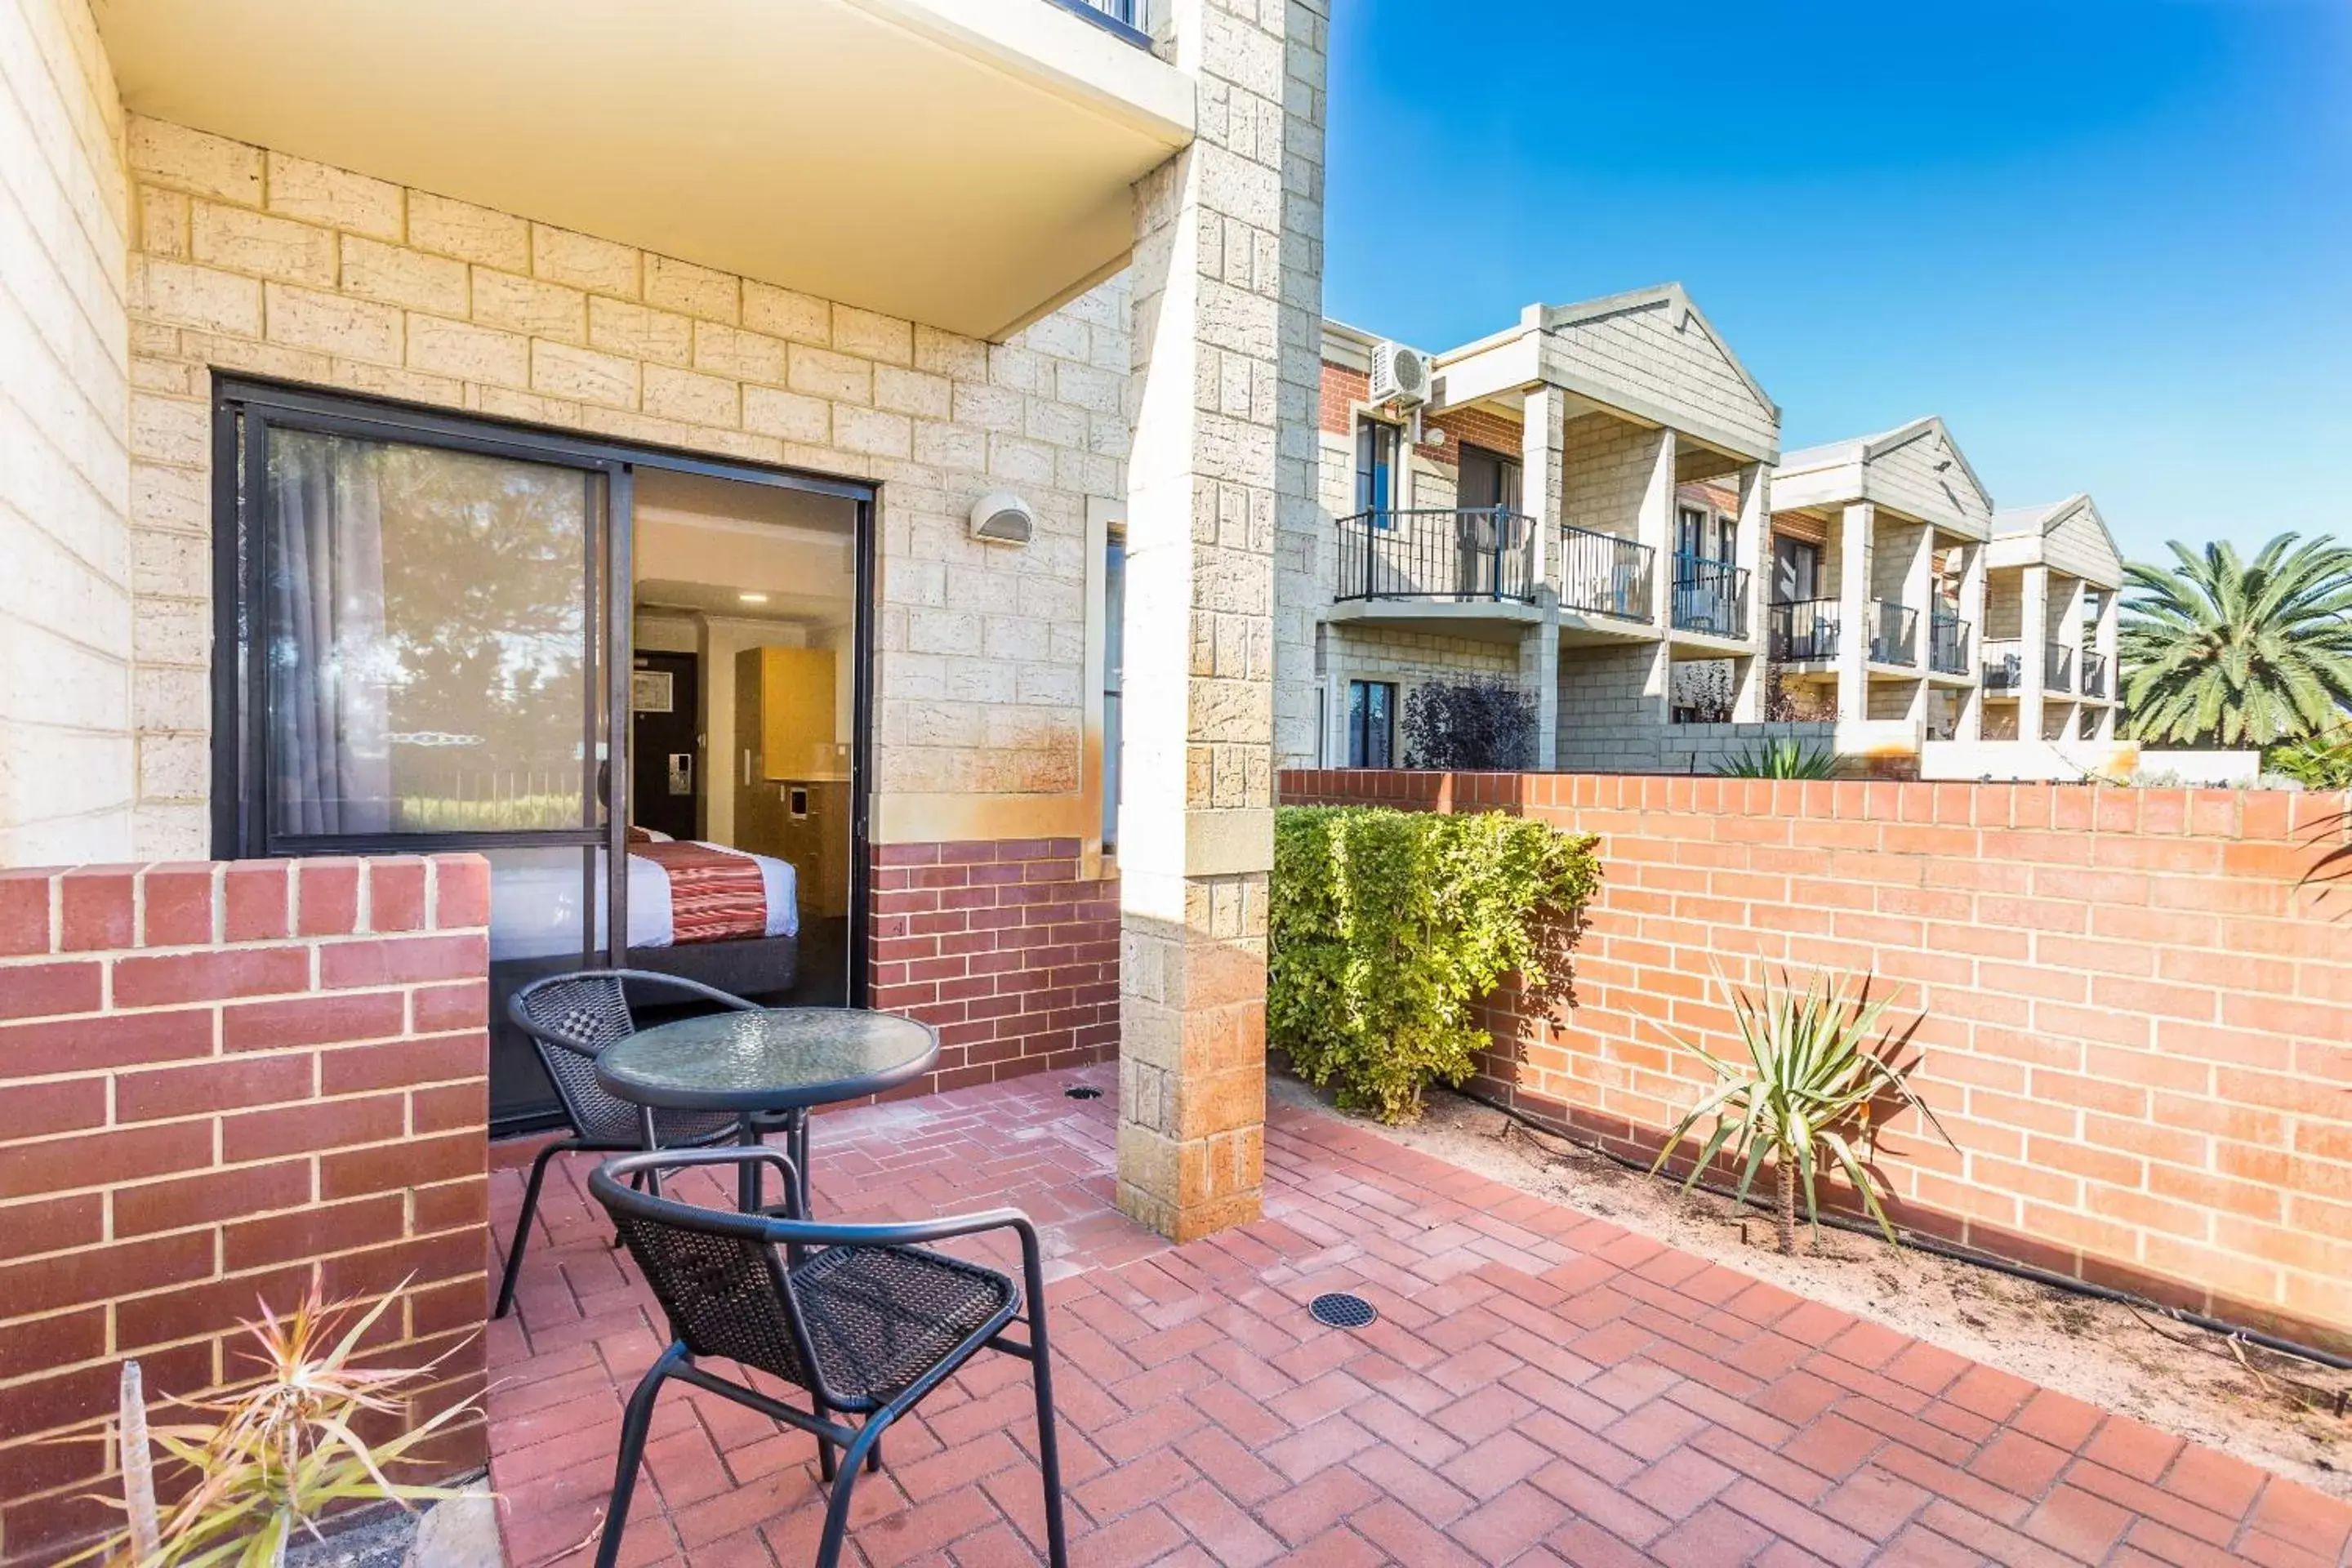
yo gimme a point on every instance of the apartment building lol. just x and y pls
(1669, 591)
(1523, 512)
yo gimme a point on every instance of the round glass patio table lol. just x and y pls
(768, 1062)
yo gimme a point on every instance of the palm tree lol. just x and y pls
(2220, 650)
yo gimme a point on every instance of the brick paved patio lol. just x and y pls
(1542, 1387)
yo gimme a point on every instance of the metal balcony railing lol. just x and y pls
(1947, 644)
(1802, 630)
(1603, 574)
(1710, 596)
(2004, 665)
(1461, 554)
(2057, 668)
(2095, 674)
(1130, 19)
(1894, 633)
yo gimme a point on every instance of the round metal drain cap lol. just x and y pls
(1341, 1311)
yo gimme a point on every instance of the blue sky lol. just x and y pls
(2109, 240)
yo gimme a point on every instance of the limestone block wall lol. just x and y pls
(67, 777)
(1608, 464)
(1704, 749)
(250, 260)
(1612, 715)
(1666, 355)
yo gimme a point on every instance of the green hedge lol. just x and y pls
(1386, 928)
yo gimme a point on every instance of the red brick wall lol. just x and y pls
(2137, 1004)
(1344, 391)
(1002, 947)
(210, 1076)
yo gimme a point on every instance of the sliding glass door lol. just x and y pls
(422, 657)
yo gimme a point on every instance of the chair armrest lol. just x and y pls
(606, 1185)
(678, 983)
(908, 1232)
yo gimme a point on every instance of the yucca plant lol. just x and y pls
(1818, 1063)
(1781, 759)
(279, 1454)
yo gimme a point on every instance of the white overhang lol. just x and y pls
(967, 164)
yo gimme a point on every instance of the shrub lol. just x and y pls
(1486, 723)
(1386, 926)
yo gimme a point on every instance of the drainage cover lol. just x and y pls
(1341, 1311)
(1082, 1091)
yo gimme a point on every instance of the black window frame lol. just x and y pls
(1360, 734)
(1380, 455)
(245, 408)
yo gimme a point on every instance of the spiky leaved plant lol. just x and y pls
(279, 1454)
(1781, 759)
(1817, 1063)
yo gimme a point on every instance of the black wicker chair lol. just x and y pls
(861, 1316)
(570, 1018)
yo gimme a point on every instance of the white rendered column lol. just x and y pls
(1750, 544)
(2033, 639)
(1854, 531)
(1654, 526)
(2108, 639)
(1543, 496)
(1972, 612)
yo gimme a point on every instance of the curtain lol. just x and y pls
(330, 765)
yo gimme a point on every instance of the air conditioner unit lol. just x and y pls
(1400, 375)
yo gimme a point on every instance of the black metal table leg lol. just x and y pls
(747, 1195)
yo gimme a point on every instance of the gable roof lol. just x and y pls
(1910, 469)
(2068, 534)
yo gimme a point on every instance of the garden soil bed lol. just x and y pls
(2201, 1386)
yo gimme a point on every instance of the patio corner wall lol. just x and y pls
(1003, 948)
(2136, 1005)
(214, 1075)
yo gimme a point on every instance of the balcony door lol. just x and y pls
(423, 634)
(1489, 484)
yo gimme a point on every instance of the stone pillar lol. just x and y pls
(1654, 525)
(1853, 611)
(1543, 495)
(1227, 304)
(1972, 613)
(2032, 639)
(2108, 640)
(1751, 549)
(1920, 598)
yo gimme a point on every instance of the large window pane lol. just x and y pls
(428, 638)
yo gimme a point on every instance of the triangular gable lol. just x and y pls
(2075, 540)
(1654, 354)
(1921, 470)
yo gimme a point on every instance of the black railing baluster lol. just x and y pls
(1469, 554)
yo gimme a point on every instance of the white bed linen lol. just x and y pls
(535, 901)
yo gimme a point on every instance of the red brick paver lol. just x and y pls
(1542, 1387)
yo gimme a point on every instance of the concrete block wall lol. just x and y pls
(1705, 748)
(1665, 356)
(1609, 464)
(212, 1076)
(2135, 1005)
(66, 768)
(247, 260)
(1612, 713)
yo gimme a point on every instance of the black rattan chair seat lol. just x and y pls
(880, 1317)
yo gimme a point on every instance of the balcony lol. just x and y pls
(2095, 675)
(1710, 596)
(1457, 555)
(1803, 631)
(962, 164)
(2004, 665)
(1947, 644)
(1894, 633)
(1129, 19)
(1602, 575)
(2057, 668)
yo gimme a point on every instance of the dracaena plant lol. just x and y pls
(274, 1457)
(1818, 1064)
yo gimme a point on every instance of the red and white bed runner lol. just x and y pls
(715, 895)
